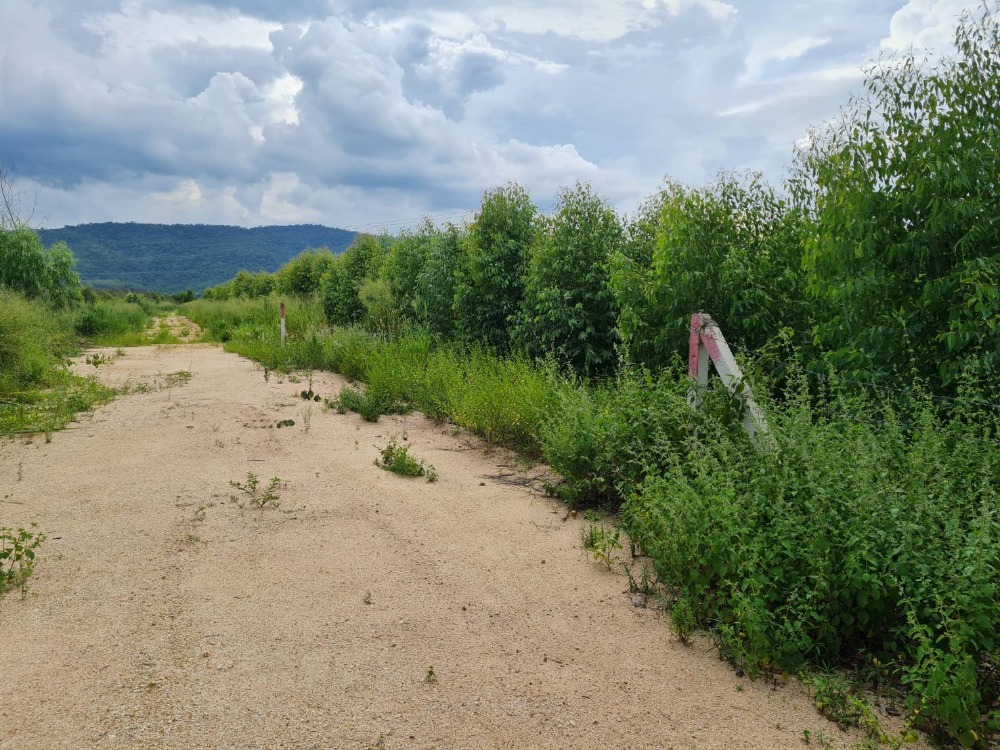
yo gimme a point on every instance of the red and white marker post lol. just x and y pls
(707, 344)
(282, 323)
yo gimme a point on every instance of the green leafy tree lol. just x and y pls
(403, 265)
(903, 191)
(732, 250)
(251, 285)
(435, 296)
(342, 281)
(630, 278)
(27, 267)
(569, 310)
(302, 274)
(489, 285)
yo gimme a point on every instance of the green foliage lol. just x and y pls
(630, 273)
(27, 267)
(504, 400)
(606, 437)
(841, 703)
(863, 533)
(732, 250)
(341, 284)
(383, 314)
(397, 459)
(244, 285)
(902, 190)
(105, 321)
(18, 548)
(408, 254)
(568, 310)
(253, 492)
(33, 342)
(489, 285)
(434, 298)
(302, 274)
(601, 541)
(370, 407)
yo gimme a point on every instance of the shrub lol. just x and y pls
(864, 534)
(301, 275)
(568, 310)
(732, 250)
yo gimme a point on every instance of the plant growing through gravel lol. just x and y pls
(17, 556)
(600, 540)
(397, 459)
(252, 491)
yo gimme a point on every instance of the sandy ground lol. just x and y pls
(164, 615)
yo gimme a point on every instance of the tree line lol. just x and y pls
(877, 258)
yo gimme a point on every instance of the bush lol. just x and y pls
(606, 438)
(107, 319)
(732, 250)
(341, 283)
(489, 283)
(27, 267)
(864, 534)
(302, 274)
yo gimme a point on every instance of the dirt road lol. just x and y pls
(367, 610)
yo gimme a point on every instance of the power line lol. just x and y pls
(413, 220)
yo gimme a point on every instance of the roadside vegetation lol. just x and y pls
(46, 316)
(862, 298)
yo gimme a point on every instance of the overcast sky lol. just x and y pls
(354, 113)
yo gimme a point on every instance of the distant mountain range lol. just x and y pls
(174, 257)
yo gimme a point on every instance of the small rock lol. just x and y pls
(639, 601)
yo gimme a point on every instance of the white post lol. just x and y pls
(708, 343)
(282, 323)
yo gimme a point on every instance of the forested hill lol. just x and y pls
(174, 257)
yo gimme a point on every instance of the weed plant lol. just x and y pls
(257, 495)
(397, 459)
(865, 534)
(602, 542)
(17, 557)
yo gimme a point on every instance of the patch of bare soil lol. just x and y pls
(358, 610)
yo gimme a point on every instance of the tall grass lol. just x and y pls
(502, 399)
(37, 394)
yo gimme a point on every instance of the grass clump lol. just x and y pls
(397, 459)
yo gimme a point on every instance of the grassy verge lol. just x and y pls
(867, 538)
(37, 394)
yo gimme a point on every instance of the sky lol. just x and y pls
(369, 115)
